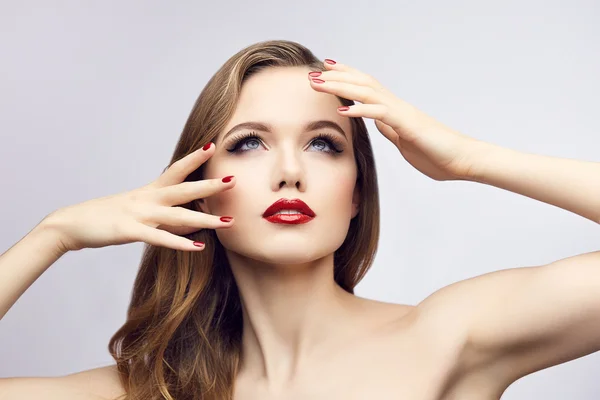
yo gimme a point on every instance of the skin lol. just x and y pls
(299, 324)
(304, 336)
(293, 309)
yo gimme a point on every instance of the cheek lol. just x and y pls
(241, 198)
(336, 191)
(341, 199)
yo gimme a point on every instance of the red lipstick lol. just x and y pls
(302, 214)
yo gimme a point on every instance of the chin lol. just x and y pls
(283, 247)
(287, 257)
(282, 254)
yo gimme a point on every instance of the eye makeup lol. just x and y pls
(335, 144)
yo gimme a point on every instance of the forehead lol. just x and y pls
(283, 98)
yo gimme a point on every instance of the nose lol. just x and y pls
(289, 170)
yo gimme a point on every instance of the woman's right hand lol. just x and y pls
(145, 214)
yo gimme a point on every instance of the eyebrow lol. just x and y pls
(265, 127)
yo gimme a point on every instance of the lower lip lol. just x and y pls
(289, 218)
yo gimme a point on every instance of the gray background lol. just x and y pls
(93, 96)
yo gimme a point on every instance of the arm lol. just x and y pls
(20, 266)
(573, 185)
(512, 322)
(24, 262)
(523, 320)
(94, 384)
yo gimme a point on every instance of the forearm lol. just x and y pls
(573, 185)
(24, 262)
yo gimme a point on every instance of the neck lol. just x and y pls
(291, 312)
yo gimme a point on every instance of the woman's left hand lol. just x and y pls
(432, 148)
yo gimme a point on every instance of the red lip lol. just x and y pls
(291, 204)
(289, 219)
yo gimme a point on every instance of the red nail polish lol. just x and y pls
(315, 73)
(207, 146)
(198, 244)
(226, 219)
(343, 108)
(227, 179)
(315, 80)
(329, 61)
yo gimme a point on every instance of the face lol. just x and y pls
(288, 162)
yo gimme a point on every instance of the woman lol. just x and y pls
(266, 220)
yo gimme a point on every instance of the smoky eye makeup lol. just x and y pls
(333, 144)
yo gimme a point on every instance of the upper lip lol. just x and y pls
(289, 204)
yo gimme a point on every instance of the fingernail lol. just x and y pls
(329, 61)
(207, 146)
(343, 108)
(315, 73)
(315, 80)
(227, 178)
(198, 244)
(226, 219)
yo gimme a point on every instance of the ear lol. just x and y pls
(355, 201)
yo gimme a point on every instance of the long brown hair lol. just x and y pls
(182, 336)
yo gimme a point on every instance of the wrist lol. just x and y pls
(480, 155)
(48, 230)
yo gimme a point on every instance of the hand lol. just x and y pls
(435, 150)
(144, 214)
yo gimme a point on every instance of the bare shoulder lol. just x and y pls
(384, 314)
(456, 308)
(438, 324)
(438, 331)
(431, 314)
(94, 384)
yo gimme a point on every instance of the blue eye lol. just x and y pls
(332, 143)
(253, 142)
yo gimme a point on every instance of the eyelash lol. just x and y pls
(330, 139)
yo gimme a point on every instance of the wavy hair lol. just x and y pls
(182, 336)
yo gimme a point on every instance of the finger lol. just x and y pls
(348, 77)
(179, 216)
(374, 111)
(157, 237)
(185, 192)
(378, 112)
(178, 230)
(400, 118)
(364, 94)
(337, 66)
(181, 168)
